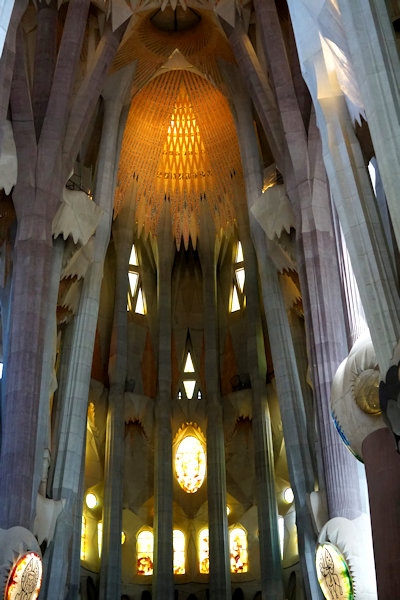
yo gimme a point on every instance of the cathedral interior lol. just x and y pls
(200, 301)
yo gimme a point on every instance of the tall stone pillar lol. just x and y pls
(382, 466)
(219, 577)
(73, 404)
(110, 570)
(302, 476)
(163, 577)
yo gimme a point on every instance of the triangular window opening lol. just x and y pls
(189, 376)
(136, 301)
(237, 299)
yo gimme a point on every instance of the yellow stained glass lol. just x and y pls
(204, 561)
(333, 573)
(190, 464)
(133, 257)
(179, 552)
(133, 281)
(238, 550)
(144, 549)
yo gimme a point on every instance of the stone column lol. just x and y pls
(375, 59)
(73, 410)
(163, 577)
(110, 570)
(382, 466)
(294, 423)
(219, 578)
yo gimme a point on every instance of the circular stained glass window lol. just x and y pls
(333, 573)
(190, 464)
(25, 578)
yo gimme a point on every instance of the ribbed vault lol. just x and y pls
(174, 153)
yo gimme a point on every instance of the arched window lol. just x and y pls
(190, 459)
(179, 552)
(238, 550)
(204, 560)
(144, 552)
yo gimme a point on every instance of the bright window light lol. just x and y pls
(1, 370)
(235, 304)
(133, 257)
(144, 549)
(140, 306)
(133, 281)
(240, 276)
(179, 552)
(189, 386)
(99, 536)
(288, 495)
(238, 550)
(204, 562)
(91, 500)
(190, 464)
(189, 368)
(239, 253)
(281, 531)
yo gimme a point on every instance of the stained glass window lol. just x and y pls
(190, 464)
(333, 573)
(179, 552)
(144, 551)
(204, 561)
(238, 550)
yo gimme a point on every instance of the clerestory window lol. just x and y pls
(144, 552)
(190, 459)
(237, 300)
(238, 550)
(136, 300)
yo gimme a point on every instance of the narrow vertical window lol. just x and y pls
(144, 552)
(83, 538)
(136, 300)
(204, 553)
(237, 299)
(179, 552)
(238, 550)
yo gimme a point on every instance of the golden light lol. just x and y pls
(91, 500)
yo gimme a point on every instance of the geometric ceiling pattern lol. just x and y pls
(179, 149)
(174, 155)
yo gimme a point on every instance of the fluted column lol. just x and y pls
(219, 577)
(163, 577)
(110, 571)
(72, 424)
(291, 404)
(376, 62)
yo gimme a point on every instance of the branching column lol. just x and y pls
(294, 423)
(219, 578)
(163, 578)
(72, 431)
(110, 571)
